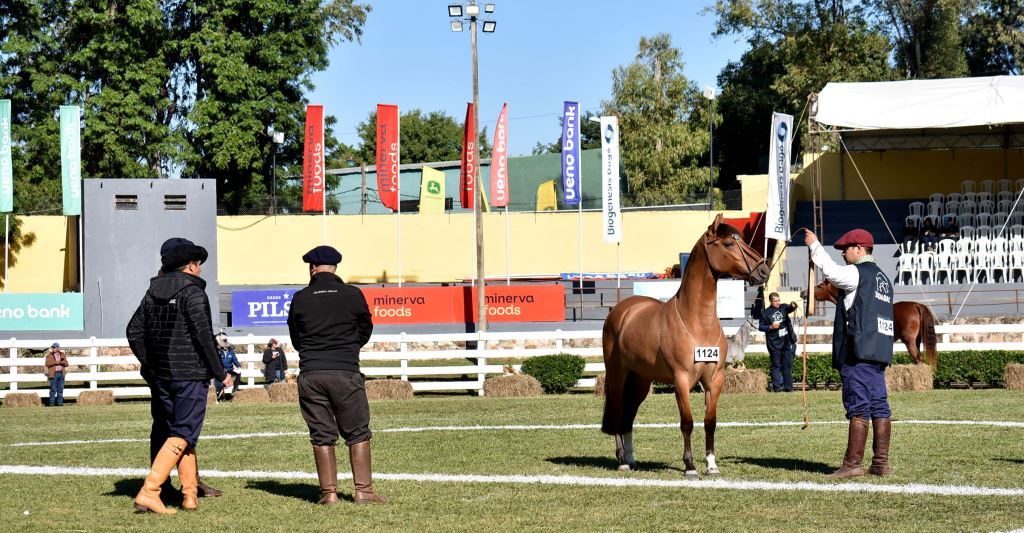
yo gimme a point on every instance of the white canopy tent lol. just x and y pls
(924, 114)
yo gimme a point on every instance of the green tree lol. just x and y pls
(590, 136)
(426, 138)
(926, 36)
(664, 126)
(994, 37)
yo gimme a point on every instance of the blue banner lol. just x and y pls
(571, 171)
(41, 312)
(261, 308)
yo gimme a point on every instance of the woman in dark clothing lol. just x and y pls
(275, 364)
(929, 236)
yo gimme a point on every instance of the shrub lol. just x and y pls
(556, 373)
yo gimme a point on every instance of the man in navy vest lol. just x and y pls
(861, 346)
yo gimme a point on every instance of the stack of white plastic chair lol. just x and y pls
(955, 197)
(935, 219)
(1004, 206)
(967, 232)
(965, 219)
(983, 232)
(925, 268)
(963, 268)
(1017, 217)
(983, 219)
(999, 220)
(915, 220)
(937, 197)
(999, 245)
(1019, 185)
(1015, 230)
(997, 267)
(971, 197)
(906, 269)
(1004, 186)
(984, 197)
(1016, 266)
(982, 270)
(909, 247)
(944, 261)
(1005, 195)
(969, 206)
(952, 207)
(982, 244)
(916, 208)
(988, 186)
(986, 206)
(967, 186)
(935, 209)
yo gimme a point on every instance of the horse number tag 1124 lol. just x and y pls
(705, 354)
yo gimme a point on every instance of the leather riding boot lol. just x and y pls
(206, 491)
(857, 438)
(148, 498)
(188, 471)
(327, 471)
(362, 474)
(880, 446)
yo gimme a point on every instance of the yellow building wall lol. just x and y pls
(438, 248)
(910, 174)
(48, 263)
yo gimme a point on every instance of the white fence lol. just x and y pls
(404, 349)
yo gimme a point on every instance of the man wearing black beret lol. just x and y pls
(329, 323)
(171, 334)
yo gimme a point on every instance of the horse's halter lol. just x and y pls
(745, 251)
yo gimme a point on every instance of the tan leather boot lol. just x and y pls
(327, 471)
(880, 428)
(362, 474)
(856, 439)
(148, 499)
(188, 472)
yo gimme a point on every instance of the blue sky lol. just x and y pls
(543, 52)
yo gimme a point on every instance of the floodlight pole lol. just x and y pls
(481, 301)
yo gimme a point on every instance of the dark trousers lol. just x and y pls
(57, 389)
(178, 409)
(782, 368)
(864, 393)
(333, 403)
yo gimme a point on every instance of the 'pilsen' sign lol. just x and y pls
(416, 305)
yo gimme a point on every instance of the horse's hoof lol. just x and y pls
(692, 474)
(714, 472)
(624, 468)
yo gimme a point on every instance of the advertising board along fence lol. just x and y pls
(111, 372)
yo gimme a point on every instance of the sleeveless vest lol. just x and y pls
(865, 331)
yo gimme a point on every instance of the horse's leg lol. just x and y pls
(683, 385)
(714, 389)
(612, 423)
(633, 394)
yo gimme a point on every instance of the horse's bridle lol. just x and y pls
(743, 252)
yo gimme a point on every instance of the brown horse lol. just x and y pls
(679, 342)
(913, 323)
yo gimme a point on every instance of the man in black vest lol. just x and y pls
(861, 346)
(781, 341)
(329, 323)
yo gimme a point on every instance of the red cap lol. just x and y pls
(855, 237)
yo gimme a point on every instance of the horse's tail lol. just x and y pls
(931, 355)
(620, 388)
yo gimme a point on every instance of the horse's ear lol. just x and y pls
(713, 228)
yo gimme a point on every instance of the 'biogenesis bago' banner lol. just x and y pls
(415, 305)
(611, 209)
(313, 171)
(777, 215)
(571, 153)
(388, 155)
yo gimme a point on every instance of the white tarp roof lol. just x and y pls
(920, 104)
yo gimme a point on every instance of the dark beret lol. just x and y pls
(177, 252)
(322, 255)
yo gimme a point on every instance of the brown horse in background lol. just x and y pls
(679, 342)
(913, 322)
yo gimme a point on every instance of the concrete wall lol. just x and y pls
(48, 264)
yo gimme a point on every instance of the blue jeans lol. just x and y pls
(782, 368)
(864, 393)
(57, 389)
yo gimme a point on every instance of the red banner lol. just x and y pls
(387, 155)
(313, 174)
(467, 176)
(499, 161)
(455, 305)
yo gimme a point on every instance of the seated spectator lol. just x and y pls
(950, 230)
(910, 235)
(231, 365)
(275, 363)
(929, 236)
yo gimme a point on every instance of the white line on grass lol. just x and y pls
(532, 427)
(723, 484)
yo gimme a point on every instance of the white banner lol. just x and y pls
(777, 215)
(730, 300)
(611, 208)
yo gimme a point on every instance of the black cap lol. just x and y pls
(322, 255)
(177, 252)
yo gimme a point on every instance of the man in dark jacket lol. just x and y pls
(171, 334)
(781, 341)
(862, 338)
(329, 323)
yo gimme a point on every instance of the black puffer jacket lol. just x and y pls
(171, 332)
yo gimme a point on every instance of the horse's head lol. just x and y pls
(729, 256)
(824, 291)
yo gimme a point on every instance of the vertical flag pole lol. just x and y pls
(398, 194)
(7, 248)
(323, 171)
(618, 272)
(508, 251)
(579, 225)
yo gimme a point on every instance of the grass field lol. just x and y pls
(274, 495)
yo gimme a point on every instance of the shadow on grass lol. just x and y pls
(1010, 460)
(609, 463)
(307, 492)
(784, 463)
(126, 487)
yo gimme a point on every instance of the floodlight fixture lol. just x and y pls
(454, 10)
(488, 8)
(472, 10)
(278, 137)
(456, 25)
(709, 92)
(490, 26)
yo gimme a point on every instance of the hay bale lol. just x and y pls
(95, 397)
(388, 389)
(282, 392)
(748, 380)
(253, 395)
(22, 399)
(211, 396)
(909, 378)
(599, 385)
(1014, 376)
(512, 385)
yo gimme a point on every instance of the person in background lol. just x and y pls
(929, 236)
(56, 365)
(231, 365)
(910, 236)
(950, 228)
(781, 341)
(275, 364)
